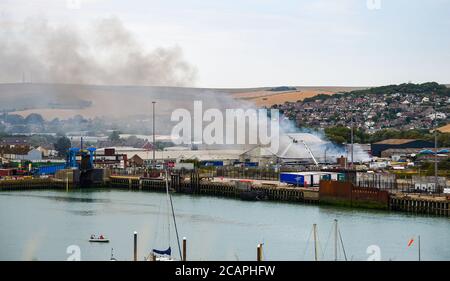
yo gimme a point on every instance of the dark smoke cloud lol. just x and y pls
(105, 53)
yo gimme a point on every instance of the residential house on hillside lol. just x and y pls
(19, 153)
(15, 142)
(48, 150)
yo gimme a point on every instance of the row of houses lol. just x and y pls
(19, 148)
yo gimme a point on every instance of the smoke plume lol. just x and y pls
(104, 53)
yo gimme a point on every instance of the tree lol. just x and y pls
(34, 118)
(341, 134)
(114, 136)
(14, 119)
(63, 145)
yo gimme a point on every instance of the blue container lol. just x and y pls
(50, 170)
(212, 163)
(294, 179)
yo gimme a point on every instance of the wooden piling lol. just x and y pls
(259, 252)
(184, 248)
(135, 246)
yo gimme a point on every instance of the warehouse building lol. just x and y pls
(378, 147)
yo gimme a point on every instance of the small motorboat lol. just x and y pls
(99, 239)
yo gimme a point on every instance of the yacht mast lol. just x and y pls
(173, 214)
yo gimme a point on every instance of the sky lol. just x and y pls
(256, 43)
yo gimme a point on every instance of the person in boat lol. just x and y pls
(101, 236)
(92, 236)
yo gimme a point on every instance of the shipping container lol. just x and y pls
(6, 172)
(49, 170)
(306, 179)
(187, 166)
(212, 163)
(292, 178)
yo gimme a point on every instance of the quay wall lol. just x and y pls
(346, 194)
(27, 184)
(330, 192)
(420, 204)
(216, 189)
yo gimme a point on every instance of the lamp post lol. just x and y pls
(153, 144)
(435, 150)
(352, 141)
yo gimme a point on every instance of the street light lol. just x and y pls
(435, 149)
(153, 144)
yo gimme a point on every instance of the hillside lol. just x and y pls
(445, 129)
(401, 107)
(67, 100)
(406, 88)
(266, 97)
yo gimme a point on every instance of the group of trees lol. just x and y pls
(425, 88)
(341, 134)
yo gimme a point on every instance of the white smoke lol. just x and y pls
(318, 143)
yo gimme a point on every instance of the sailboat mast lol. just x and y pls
(342, 244)
(335, 240)
(419, 247)
(316, 255)
(173, 215)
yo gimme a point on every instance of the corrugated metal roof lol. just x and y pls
(396, 141)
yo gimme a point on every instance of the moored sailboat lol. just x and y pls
(166, 255)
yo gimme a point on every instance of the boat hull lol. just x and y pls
(99, 240)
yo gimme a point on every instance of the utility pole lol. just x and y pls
(154, 143)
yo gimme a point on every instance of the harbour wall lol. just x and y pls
(346, 194)
(329, 192)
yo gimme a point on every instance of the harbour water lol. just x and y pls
(42, 224)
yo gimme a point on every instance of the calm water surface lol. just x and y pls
(40, 225)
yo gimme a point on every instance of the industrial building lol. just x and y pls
(110, 157)
(378, 147)
(227, 156)
(299, 148)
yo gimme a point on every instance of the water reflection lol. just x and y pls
(42, 224)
